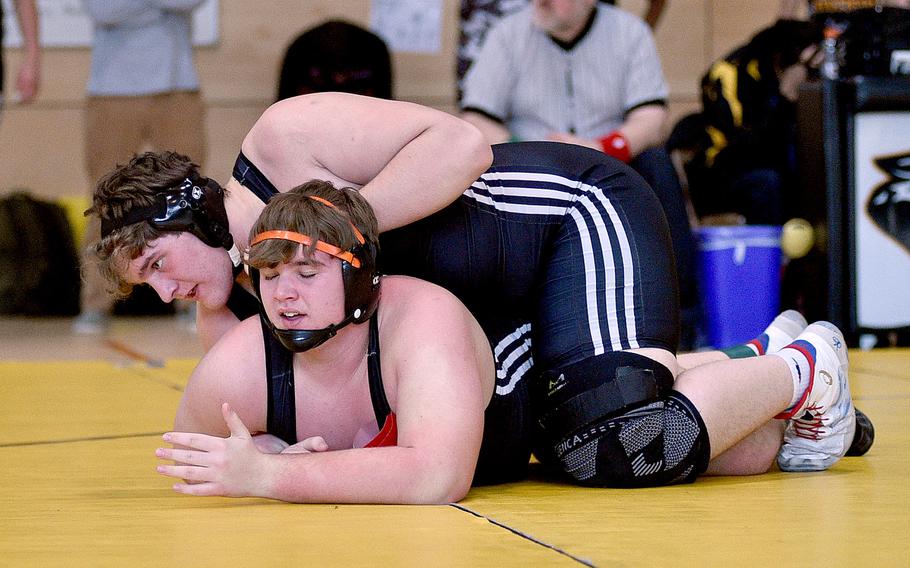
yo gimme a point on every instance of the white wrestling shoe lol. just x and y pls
(821, 425)
(784, 329)
(779, 333)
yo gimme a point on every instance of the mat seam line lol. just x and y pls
(126, 350)
(523, 535)
(86, 439)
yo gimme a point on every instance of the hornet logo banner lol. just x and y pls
(889, 203)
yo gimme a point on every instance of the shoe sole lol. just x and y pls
(863, 436)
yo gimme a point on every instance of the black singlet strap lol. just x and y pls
(377, 391)
(281, 420)
(254, 180)
(241, 303)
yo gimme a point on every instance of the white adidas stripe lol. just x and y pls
(517, 207)
(497, 197)
(515, 378)
(517, 344)
(525, 192)
(530, 176)
(628, 272)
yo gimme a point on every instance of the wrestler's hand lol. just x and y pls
(572, 139)
(210, 465)
(27, 81)
(314, 444)
(268, 444)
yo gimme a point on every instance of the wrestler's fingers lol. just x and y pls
(187, 472)
(314, 444)
(183, 456)
(233, 421)
(194, 441)
(200, 489)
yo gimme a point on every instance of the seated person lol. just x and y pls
(477, 16)
(312, 262)
(336, 56)
(742, 144)
(586, 73)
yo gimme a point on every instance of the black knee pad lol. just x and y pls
(635, 433)
(576, 395)
(661, 442)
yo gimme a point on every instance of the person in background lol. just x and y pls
(478, 15)
(336, 56)
(143, 93)
(586, 73)
(28, 76)
(741, 146)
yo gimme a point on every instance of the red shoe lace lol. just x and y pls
(810, 428)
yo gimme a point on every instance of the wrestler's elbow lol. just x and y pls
(458, 491)
(442, 484)
(473, 146)
(441, 493)
(481, 150)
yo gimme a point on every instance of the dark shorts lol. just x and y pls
(561, 253)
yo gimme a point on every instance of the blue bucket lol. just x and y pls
(740, 281)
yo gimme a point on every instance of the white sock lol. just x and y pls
(800, 371)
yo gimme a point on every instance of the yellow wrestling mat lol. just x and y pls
(78, 488)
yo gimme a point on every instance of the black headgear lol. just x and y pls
(361, 289)
(195, 206)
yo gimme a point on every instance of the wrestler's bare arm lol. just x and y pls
(232, 371)
(410, 159)
(235, 374)
(443, 376)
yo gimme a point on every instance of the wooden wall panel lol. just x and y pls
(733, 22)
(41, 150)
(226, 127)
(680, 38)
(41, 144)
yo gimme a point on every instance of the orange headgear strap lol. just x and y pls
(307, 241)
(333, 206)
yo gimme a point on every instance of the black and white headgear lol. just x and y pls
(195, 206)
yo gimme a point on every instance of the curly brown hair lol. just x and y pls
(296, 211)
(135, 184)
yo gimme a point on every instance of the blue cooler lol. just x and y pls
(740, 281)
